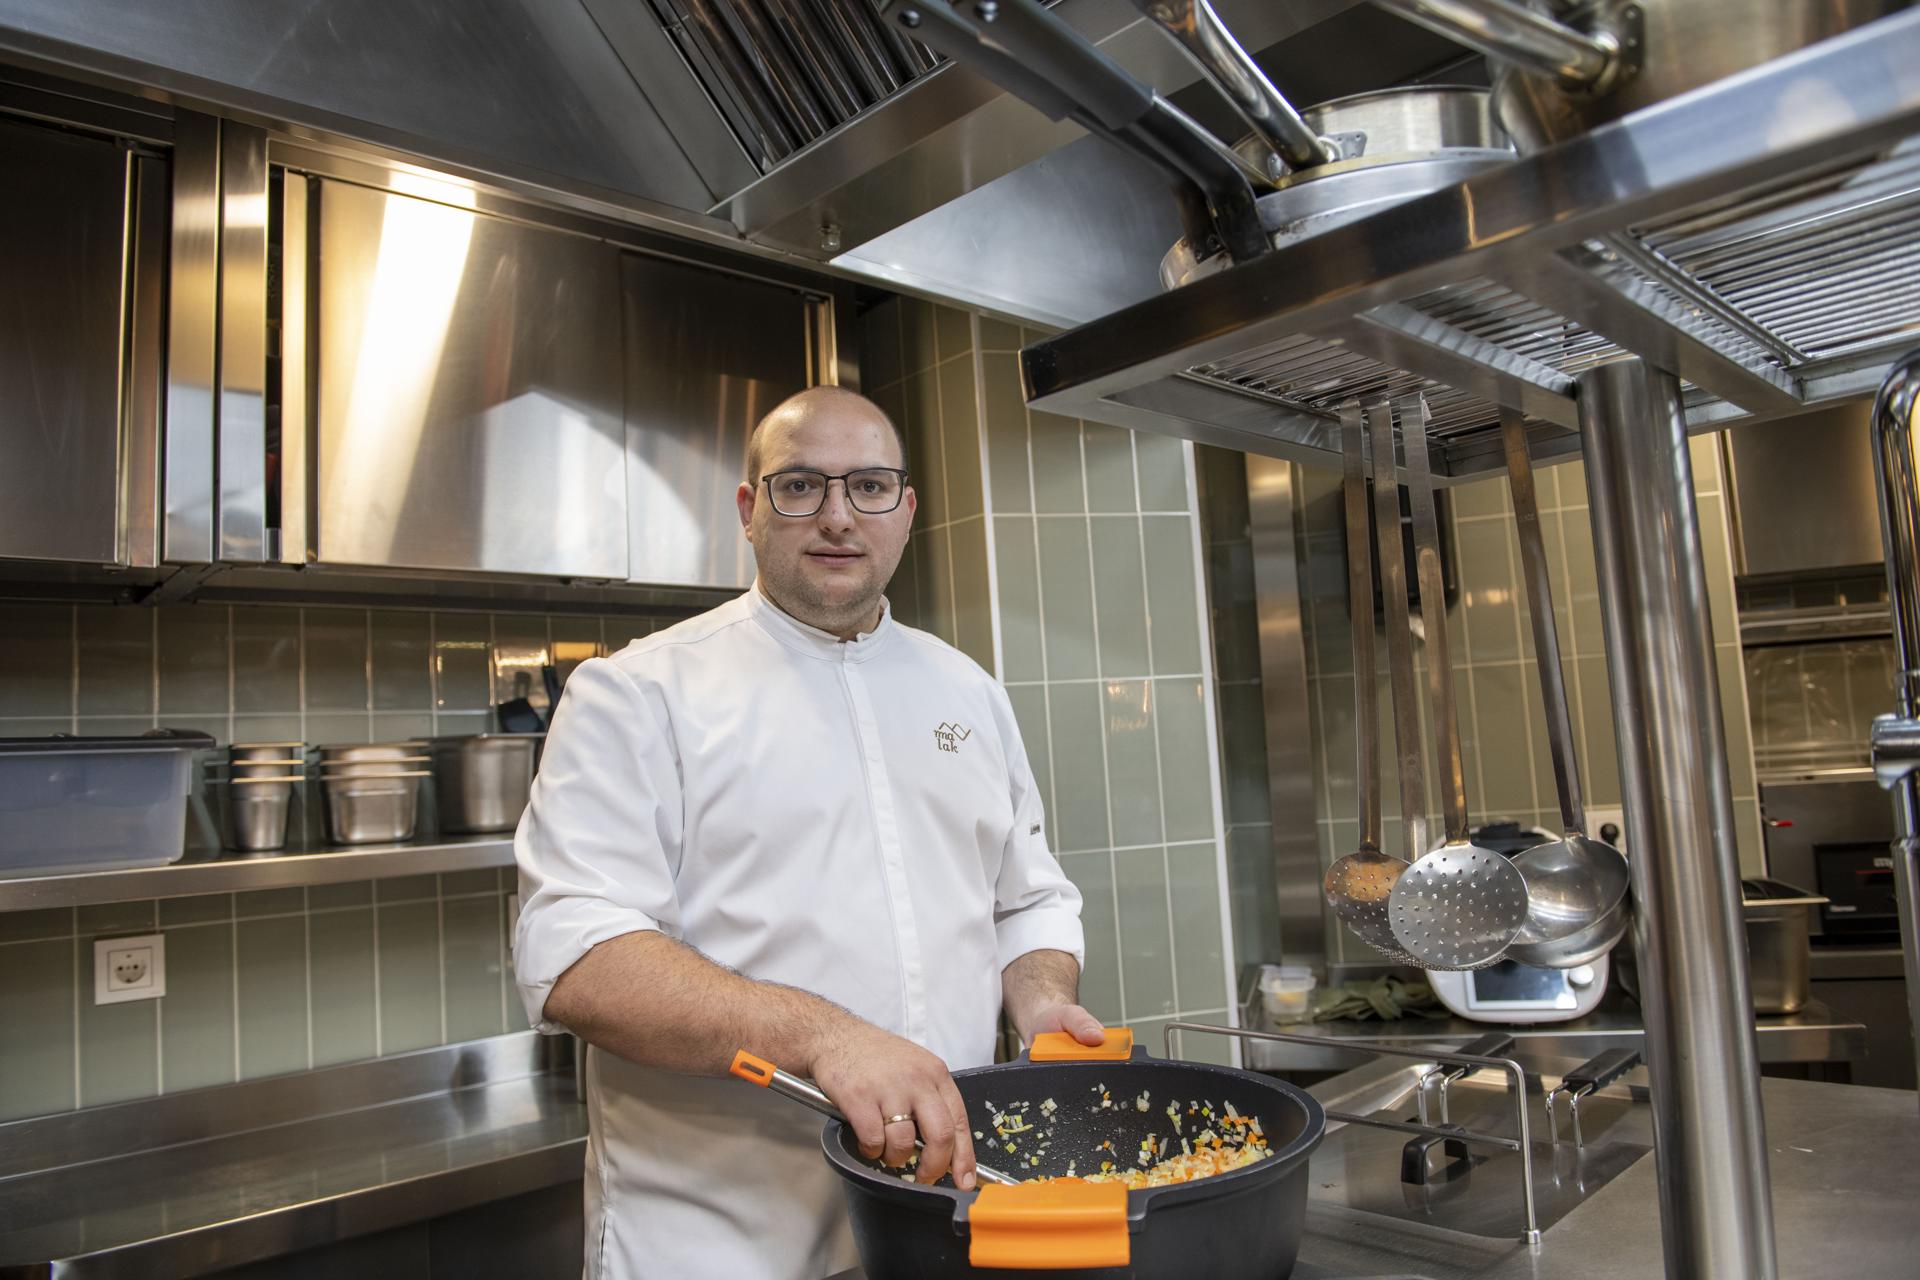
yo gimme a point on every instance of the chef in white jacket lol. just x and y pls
(794, 826)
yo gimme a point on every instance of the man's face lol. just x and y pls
(828, 569)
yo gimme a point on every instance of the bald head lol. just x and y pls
(818, 406)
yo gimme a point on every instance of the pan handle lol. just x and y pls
(1199, 29)
(1034, 55)
(1506, 30)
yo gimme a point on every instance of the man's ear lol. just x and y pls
(744, 498)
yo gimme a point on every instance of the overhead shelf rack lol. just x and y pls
(1759, 237)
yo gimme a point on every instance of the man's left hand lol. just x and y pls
(1070, 1018)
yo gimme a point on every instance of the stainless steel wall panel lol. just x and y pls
(145, 383)
(468, 392)
(296, 350)
(63, 243)
(707, 356)
(241, 531)
(192, 325)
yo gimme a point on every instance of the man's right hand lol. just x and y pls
(873, 1076)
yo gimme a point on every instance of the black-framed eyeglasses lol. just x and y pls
(871, 491)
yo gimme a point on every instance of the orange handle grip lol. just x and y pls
(1058, 1046)
(1050, 1226)
(751, 1069)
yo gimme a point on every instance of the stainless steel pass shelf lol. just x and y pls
(229, 873)
(1759, 237)
(190, 1183)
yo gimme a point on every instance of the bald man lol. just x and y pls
(794, 826)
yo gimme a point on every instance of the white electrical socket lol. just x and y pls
(129, 968)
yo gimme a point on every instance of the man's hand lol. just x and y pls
(1070, 1018)
(891, 1090)
(1041, 990)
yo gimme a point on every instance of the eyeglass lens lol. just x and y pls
(802, 493)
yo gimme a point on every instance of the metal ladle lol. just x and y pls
(1357, 886)
(1459, 906)
(1576, 886)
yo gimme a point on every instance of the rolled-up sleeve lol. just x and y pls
(601, 833)
(1035, 906)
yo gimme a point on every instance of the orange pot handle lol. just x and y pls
(1050, 1226)
(1058, 1046)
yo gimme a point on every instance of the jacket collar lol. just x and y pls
(811, 640)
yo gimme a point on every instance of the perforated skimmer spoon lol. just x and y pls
(1459, 906)
(1357, 886)
(1576, 886)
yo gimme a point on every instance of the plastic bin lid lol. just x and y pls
(152, 740)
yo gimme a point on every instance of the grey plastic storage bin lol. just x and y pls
(81, 804)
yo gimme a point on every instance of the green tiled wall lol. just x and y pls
(276, 980)
(1062, 556)
(1508, 769)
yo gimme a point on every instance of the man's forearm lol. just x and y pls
(659, 1002)
(1036, 982)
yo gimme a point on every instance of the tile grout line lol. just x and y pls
(440, 950)
(994, 640)
(1106, 769)
(306, 973)
(1159, 770)
(1216, 775)
(73, 973)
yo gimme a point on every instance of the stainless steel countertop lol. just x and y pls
(1815, 1034)
(291, 1183)
(1845, 1183)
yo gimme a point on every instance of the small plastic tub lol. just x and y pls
(1286, 991)
(71, 804)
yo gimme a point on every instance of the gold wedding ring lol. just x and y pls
(900, 1119)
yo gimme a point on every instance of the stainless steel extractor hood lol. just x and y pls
(790, 127)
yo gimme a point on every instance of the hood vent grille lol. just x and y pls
(785, 72)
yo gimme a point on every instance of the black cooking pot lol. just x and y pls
(1246, 1222)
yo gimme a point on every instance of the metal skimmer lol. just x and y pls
(1358, 885)
(1460, 905)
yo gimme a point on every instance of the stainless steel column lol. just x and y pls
(1896, 462)
(1715, 1213)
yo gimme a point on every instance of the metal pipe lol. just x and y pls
(1508, 31)
(1199, 29)
(1709, 1136)
(1896, 468)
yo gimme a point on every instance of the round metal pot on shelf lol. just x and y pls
(1391, 146)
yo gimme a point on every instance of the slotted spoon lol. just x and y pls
(1357, 886)
(1459, 906)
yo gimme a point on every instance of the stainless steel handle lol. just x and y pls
(1504, 29)
(1034, 55)
(1896, 465)
(1366, 709)
(1393, 586)
(1546, 631)
(1199, 29)
(1412, 412)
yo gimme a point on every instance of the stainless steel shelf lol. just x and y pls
(1759, 237)
(229, 873)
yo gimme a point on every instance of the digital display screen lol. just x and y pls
(1513, 985)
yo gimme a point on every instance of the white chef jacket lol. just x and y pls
(857, 819)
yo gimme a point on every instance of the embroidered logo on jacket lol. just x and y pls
(948, 737)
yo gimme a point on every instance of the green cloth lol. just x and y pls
(1387, 997)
